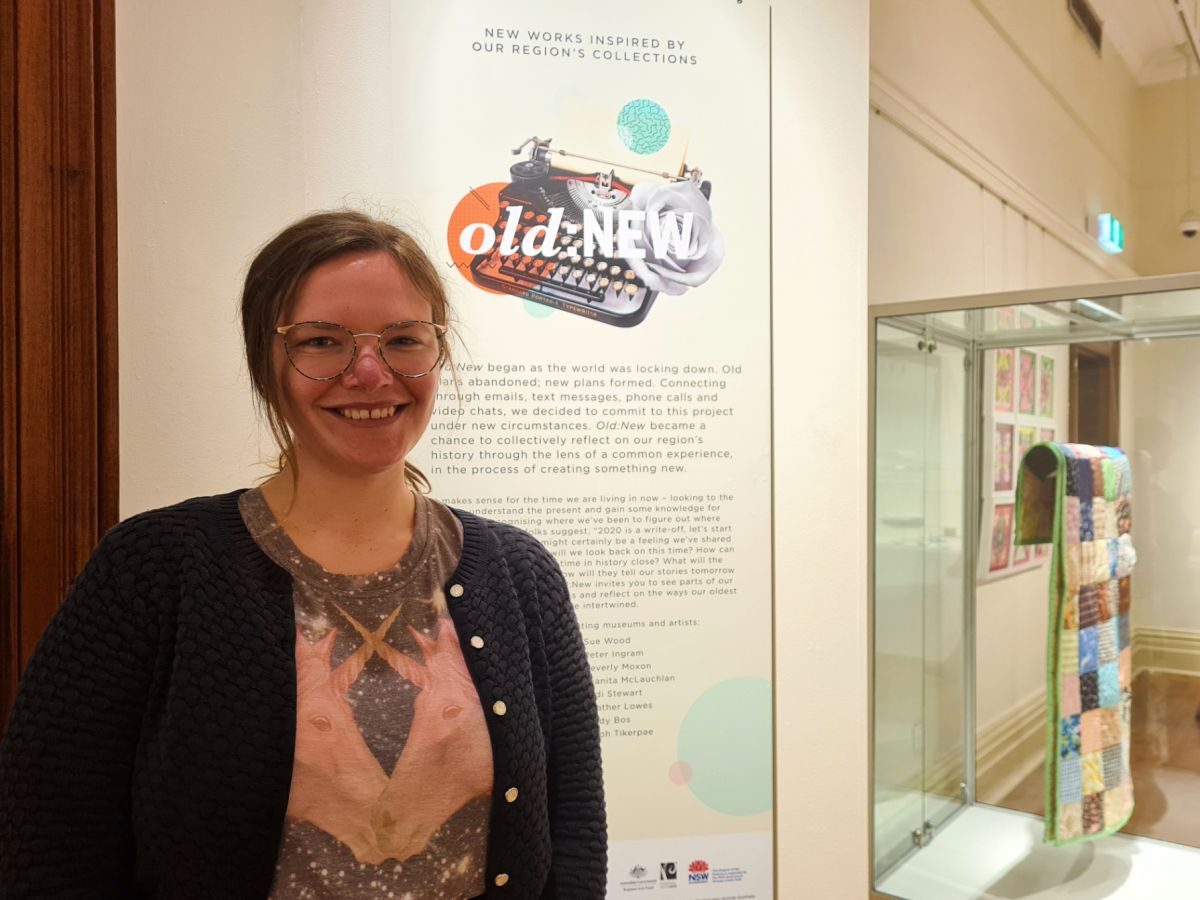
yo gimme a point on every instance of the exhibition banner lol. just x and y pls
(595, 181)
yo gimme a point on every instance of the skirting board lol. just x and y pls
(1009, 747)
(1175, 651)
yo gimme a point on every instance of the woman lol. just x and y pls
(330, 686)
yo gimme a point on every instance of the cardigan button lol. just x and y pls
(456, 591)
(499, 707)
(511, 795)
(477, 642)
(501, 880)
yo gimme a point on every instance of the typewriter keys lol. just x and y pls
(573, 278)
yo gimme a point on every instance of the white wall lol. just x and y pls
(997, 132)
(234, 117)
(820, 158)
(1161, 176)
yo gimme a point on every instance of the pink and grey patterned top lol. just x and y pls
(392, 773)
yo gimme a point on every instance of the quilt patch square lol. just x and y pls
(1073, 555)
(1068, 737)
(1068, 655)
(1109, 685)
(1114, 808)
(1125, 665)
(1114, 766)
(1071, 611)
(1087, 528)
(1071, 704)
(1108, 641)
(1071, 514)
(1089, 649)
(1089, 606)
(1089, 691)
(1090, 739)
(1105, 603)
(1072, 477)
(1112, 526)
(1070, 782)
(1085, 486)
(1126, 557)
(1070, 819)
(1124, 514)
(1109, 474)
(1104, 561)
(1123, 637)
(1097, 476)
(1100, 519)
(1093, 813)
(1123, 595)
(1110, 733)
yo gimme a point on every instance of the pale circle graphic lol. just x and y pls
(643, 126)
(725, 741)
(537, 310)
(680, 773)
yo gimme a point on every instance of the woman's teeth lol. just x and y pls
(381, 413)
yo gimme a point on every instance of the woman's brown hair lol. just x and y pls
(275, 276)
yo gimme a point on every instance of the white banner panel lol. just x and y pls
(612, 281)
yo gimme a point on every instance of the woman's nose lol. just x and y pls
(368, 370)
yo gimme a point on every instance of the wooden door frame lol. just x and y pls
(58, 308)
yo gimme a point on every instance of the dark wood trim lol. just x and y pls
(10, 623)
(58, 290)
(1110, 353)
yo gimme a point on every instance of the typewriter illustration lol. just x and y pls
(599, 284)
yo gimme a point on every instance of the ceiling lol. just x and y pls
(1148, 35)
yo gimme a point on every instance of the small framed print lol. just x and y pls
(1004, 381)
(1027, 383)
(1002, 537)
(1002, 457)
(1026, 438)
(1046, 387)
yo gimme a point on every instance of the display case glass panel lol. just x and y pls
(960, 609)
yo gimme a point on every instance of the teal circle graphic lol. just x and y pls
(725, 744)
(537, 310)
(644, 126)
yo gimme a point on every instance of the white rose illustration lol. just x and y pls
(671, 271)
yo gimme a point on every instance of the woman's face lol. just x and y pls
(365, 292)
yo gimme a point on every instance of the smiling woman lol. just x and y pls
(330, 685)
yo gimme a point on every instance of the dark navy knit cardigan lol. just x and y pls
(149, 752)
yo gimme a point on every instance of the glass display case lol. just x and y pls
(961, 388)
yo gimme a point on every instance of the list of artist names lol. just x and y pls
(643, 569)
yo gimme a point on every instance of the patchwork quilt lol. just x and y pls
(1077, 497)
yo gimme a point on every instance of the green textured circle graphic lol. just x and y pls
(643, 126)
(725, 743)
(537, 310)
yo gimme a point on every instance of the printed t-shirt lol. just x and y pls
(392, 774)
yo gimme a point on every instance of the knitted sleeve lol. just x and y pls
(578, 828)
(68, 750)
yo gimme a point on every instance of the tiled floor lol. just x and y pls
(1165, 758)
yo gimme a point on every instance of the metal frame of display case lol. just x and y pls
(918, 318)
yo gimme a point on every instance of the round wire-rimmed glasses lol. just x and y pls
(323, 351)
